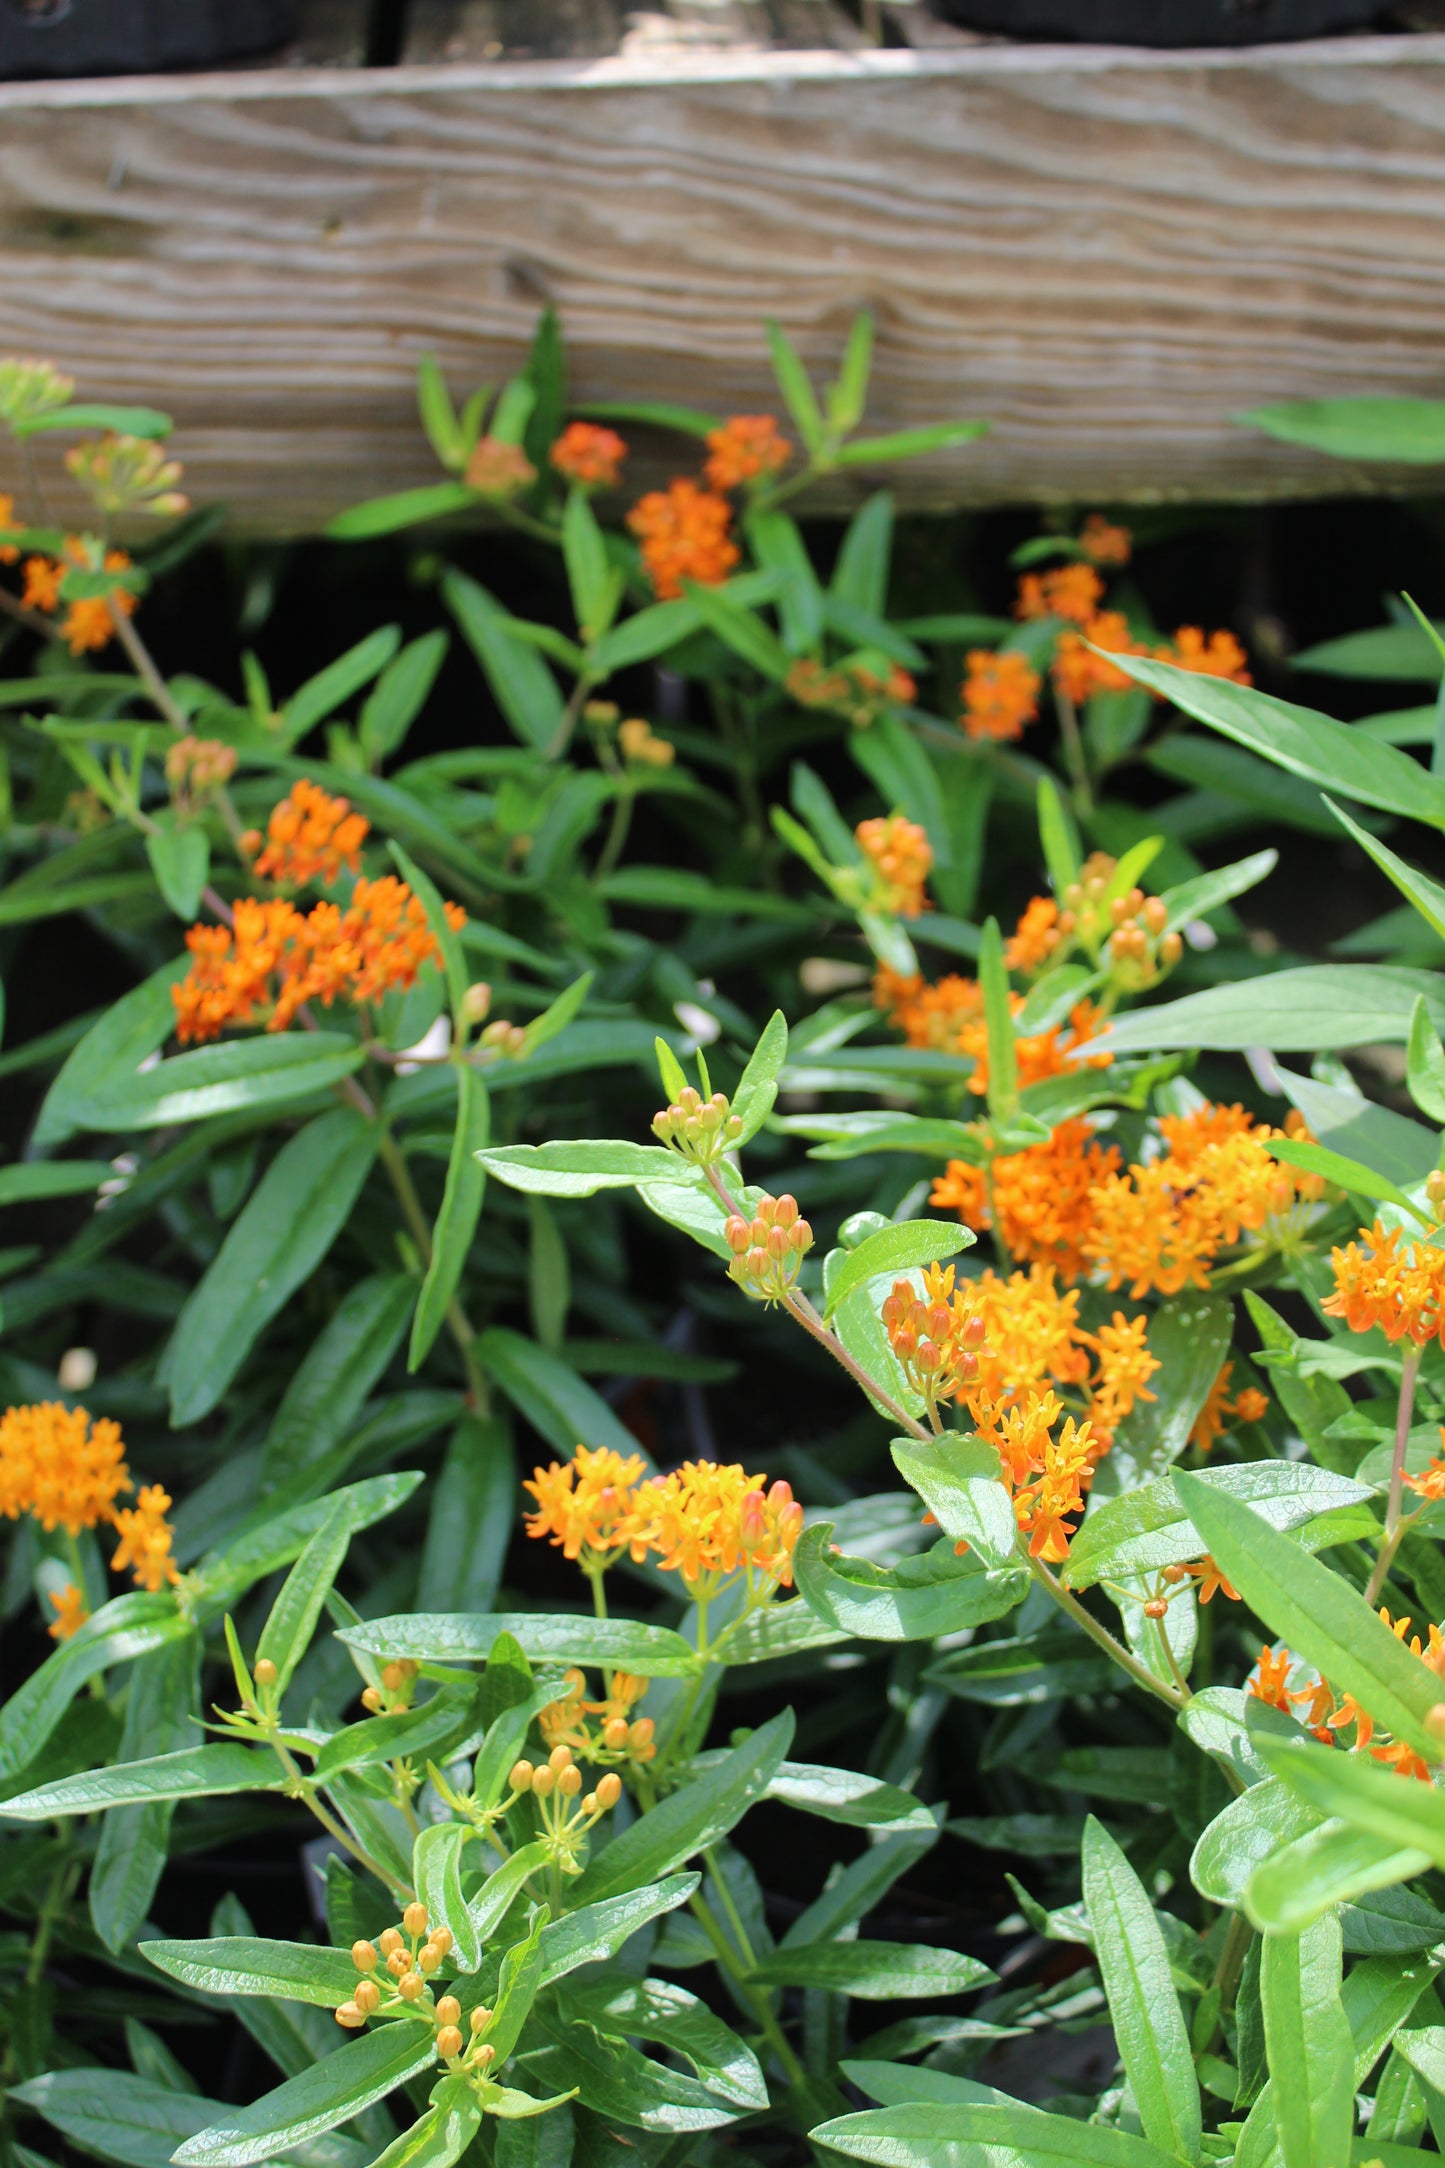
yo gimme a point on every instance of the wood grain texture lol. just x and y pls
(1106, 253)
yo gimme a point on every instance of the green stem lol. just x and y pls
(599, 1593)
(1074, 755)
(612, 849)
(458, 1323)
(1114, 1650)
(753, 1996)
(1404, 1410)
(305, 1791)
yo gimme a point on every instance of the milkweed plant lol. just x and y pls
(512, 1346)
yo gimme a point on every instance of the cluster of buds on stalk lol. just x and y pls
(196, 768)
(934, 1338)
(567, 1812)
(618, 1738)
(1435, 1193)
(701, 1130)
(1139, 950)
(127, 474)
(768, 1250)
(398, 1684)
(396, 1975)
(1126, 932)
(257, 1691)
(30, 390)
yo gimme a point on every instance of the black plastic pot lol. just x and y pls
(1164, 22)
(135, 37)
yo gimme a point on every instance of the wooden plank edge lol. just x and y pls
(691, 69)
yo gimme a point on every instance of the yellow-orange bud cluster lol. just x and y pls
(699, 1129)
(768, 1250)
(901, 858)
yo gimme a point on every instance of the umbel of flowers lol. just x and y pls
(68, 1472)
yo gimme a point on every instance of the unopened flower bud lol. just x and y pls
(569, 1781)
(449, 2011)
(476, 1002)
(639, 1735)
(1156, 1607)
(1435, 1191)
(414, 1919)
(390, 1941)
(411, 1986)
(371, 1699)
(1171, 948)
(786, 1211)
(392, 1677)
(521, 1776)
(266, 1672)
(544, 1782)
(614, 1733)
(1175, 1574)
(363, 1956)
(428, 1957)
(441, 1939)
(398, 1963)
(480, 2018)
(1435, 1722)
(609, 1789)
(559, 1759)
(349, 2016)
(486, 2053)
(738, 1235)
(367, 1997)
(449, 2042)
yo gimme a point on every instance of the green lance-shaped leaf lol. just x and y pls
(348, 2079)
(1326, 1867)
(437, 1872)
(758, 1084)
(899, 1248)
(654, 1652)
(1312, 1009)
(200, 1772)
(430, 1728)
(1307, 2039)
(657, 2010)
(1335, 755)
(1245, 1833)
(1371, 427)
(400, 694)
(138, 2120)
(286, 1635)
(252, 1965)
(1148, 2023)
(1361, 1791)
(849, 1796)
(1004, 2133)
(549, 1392)
(1350, 1174)
(1319, 1615)
(959, 1480)
(1003, 1069)
(690, 1820)
(522, 685)
(285, 1229)
(872, 1971)
(323, 1402)
(1427, 896)
(937, 1594)
(1425, 1056)
(443, 2132)
(332, 687)
(457, 1220)
(181, 862)
(470, 1515)
(590, 1933)
(1150, 1528)
(125, 1628)
(501, 1889)
(580, 1169)
(233, 1077)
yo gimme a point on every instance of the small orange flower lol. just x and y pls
(1251, 1406)
(1211, 1579)
(1269, 1684)
(1072, 591)
(1035, 938)
(589, 454)
(42, 584)
(498, 469)
(1430, 1484)
(145, 1539)
(1104, 544)
(999, 694)
(71, 1612)
(311, 836)
(588, 1505)
(684, 535)
(89, 624)
(705, 1520)
(901, 855)
(1079, 672)
(743, 449)
(1217, 655)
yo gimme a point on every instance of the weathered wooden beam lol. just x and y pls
(1106, 253)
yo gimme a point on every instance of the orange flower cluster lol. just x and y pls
(947, 1014)
(619, 1737)
(1159, 1225)
(901, 855)
(71, 1612)
(310, 836)
(1127, 932)
(1430, 1483)
(497, 469)
(273, 958)
(745, 448)
(851, 688)
(1073, 591)
(685, 535)
(1078, 672)
(197, 767)
(704, 1521)
(590, 455)
(67, 1472)
(1009, 1351)
(1327, 1714)
(1383, 1279)
(1000, 694)
(1221, 1410)
(1104, 544)
(88, 623)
